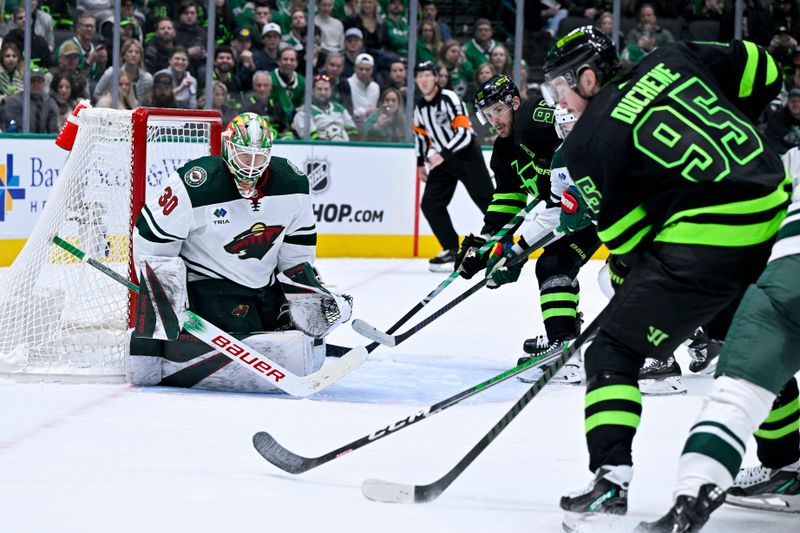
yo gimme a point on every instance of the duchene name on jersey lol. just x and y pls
(643, 92)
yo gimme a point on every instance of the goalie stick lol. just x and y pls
(386, 338)
(290, 462)
(510, 226)
(390, 492)
(239, 352)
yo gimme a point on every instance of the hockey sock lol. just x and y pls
(612, 408)
(778, 437)
(559, 298)
(716, 444)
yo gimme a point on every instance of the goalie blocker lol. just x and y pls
(158, 355)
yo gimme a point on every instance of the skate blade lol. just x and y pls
(662, 387)
(568, 375)
(596, 523)
(780, 503)
(447, 267)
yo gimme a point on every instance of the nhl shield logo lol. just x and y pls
(319, 174)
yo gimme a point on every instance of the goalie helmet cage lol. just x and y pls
(60, 318)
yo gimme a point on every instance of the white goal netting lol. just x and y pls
(59, 316)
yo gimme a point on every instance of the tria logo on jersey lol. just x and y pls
(9, 187)
(220, 216)
(319, 174)
(255, 242)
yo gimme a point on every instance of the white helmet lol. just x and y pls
(246, 146)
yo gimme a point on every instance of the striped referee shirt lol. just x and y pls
(441, 126)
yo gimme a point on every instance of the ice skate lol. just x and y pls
(605, 498)
(661, 378)
(704, 352)
(759, 487)
(689, 514)
(443, 262)
(571, 373)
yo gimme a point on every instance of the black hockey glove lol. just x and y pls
(468, 261)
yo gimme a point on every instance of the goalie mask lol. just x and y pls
(564, 120)
(246, 146)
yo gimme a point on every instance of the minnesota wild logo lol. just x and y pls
(255, 242)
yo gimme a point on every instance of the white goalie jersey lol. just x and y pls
(201, 217)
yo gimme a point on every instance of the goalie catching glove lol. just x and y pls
(575, 214)
(496, 268)
(315, 310)
(469, 261)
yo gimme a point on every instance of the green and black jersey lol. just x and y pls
(670, 153)
(521, 163)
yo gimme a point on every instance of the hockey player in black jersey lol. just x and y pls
(521, 161)
(686, 189)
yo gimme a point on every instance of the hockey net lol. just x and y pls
(60, 317)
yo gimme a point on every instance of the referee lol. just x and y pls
(445, 140)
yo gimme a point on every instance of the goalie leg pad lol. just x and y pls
(189, 363)
(163, 297)
(143, 360)
(314, 309)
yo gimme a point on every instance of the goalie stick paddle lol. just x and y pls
(390, 492)
(510, 226)
(386, 338)
(239, 352)
(290, 462)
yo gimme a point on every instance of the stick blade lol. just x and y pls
(333, 372)
(288, 461)
(387, 491)
(373, 333)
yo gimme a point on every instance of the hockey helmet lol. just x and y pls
(496, 89)
(423, 66)
(584, 47)
(246, 147)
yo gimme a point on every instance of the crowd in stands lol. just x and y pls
(358, 55)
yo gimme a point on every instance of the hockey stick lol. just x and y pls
(387, 339)
(293, 463)
(239, 352)
(390, 492)
(510, 225)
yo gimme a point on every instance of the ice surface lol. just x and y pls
(112, 458)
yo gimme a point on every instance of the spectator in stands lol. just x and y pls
(345, 8)
(296, 35)
(370, 25)
(262, 15)
(184, 85)
(159, 49)
(428, 42)
(330, 121)
(287, 85)
(84, 39)
(100, 9)
(66, 98)
(68, 61)
(127, 97)
(283, 15)
(783, 47)
(395, 78)
(647, 15)
(484, 133)
(242, 45)
(163, 94)
(43, 25)
(40, 52)
(706, 9)
(353, 46)
(331, 28)
(11, 73)
(478, 49)
(388, 122)
(261, 102)
(443, 77)
(317, 53)
(396, 40)
(43, 109)
(267, 57)
(501, 60)
(552, 13)
(461, 71)
(635, 52)
(133, 65)
(221, 102)
(190, 35)
(225, 70)
(101, 63)
(431, 13)
(334, 67)
(605, 23)
(783, 127)
(486, 71)
(359, 92)
(786, 14)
